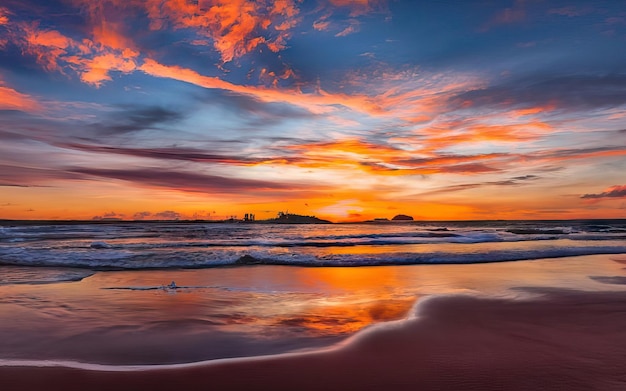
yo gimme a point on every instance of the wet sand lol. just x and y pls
(559, 340)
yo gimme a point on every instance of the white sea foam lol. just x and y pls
(116, 259)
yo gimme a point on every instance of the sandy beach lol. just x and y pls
(560, 340)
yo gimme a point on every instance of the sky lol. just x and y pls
(344, 109)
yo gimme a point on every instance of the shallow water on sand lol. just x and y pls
(132, 317)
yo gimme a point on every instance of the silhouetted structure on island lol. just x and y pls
(402, 218)
(290, 218)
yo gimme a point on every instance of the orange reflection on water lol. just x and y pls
(341, 317)
(353, 299)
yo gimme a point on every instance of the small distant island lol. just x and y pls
(395, 219)
(402, 218)
(290, 218)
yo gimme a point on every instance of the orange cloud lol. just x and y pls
(387, 160)
(322, 102)
(97, 69)
(93, 61)
(106, 34)
(11, 99)
(4, 16)
(236, 27)
(499, 133)
(106, 22)
(46, 45)
(533, 110)
(352, 28)
(321, 25)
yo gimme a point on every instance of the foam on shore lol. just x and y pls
(560, 340)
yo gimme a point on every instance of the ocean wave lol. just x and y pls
(107, 259)
(10, 275)
(140, 236)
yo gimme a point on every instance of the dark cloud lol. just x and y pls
(168, 215)
(525, 178)
(109, 216)
(195, 154)
(569, 92)
(469, 168)
(11, 136)
(169, 153)
(19, 176)
(612, 192)
(514, 181)
(575, 152)
(112, 214)
(254, 112)
(137, 119)
(449, 159)
(180, 180)
(141, 215)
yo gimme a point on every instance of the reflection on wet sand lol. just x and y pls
(246, 311)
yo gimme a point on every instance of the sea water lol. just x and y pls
(136, 245)
(170, 292)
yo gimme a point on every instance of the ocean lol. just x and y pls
(151, 245)
(134, 293)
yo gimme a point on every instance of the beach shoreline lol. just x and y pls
(560, 339)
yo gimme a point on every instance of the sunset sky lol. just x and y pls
(343, 109)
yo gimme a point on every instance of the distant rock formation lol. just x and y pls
(378, 220)
(290, 218)
(402, 218)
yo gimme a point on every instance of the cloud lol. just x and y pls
(11, 99)
(254, 112)
(167, 215)
(4, 16)
(525, 178)
(93, 61)
(48, 46)
(360, 7)
(234, 27)
(389, 160)
(509, 15)
(141, 215)
(183, 181)
(566, 92)
(321, 24)
(135, 119)
(352, 28)
(514, 181)
(173, 153)
(321, 102)
(99, 68)
(109, 216)
(489, 133)
(570, 11)
(615, 20)
(577, 153)
(617, 191)
(22, 176)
